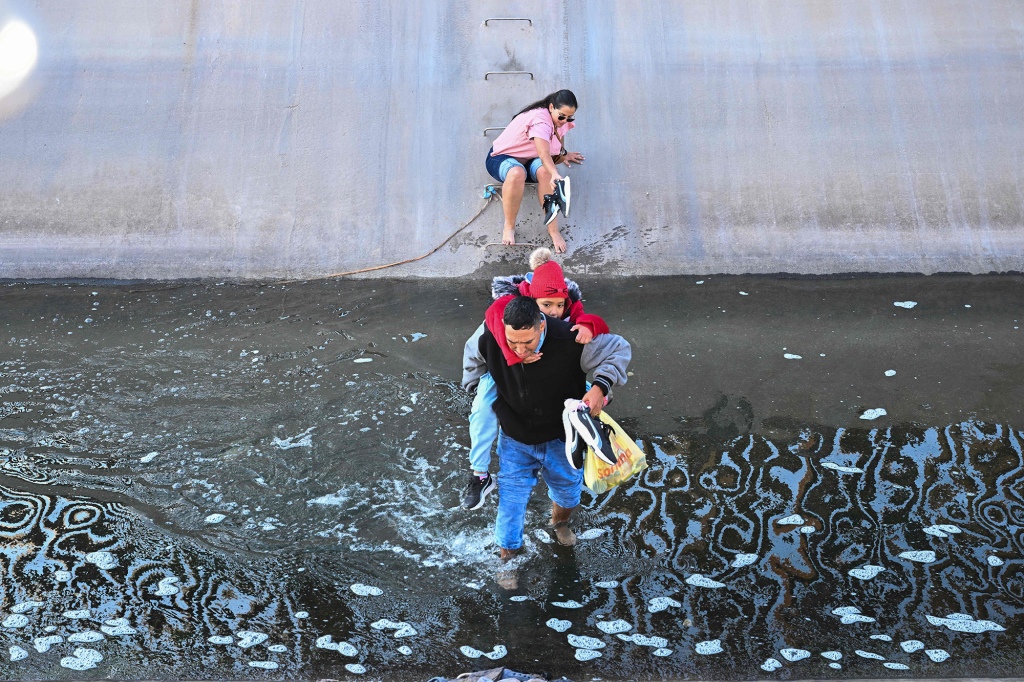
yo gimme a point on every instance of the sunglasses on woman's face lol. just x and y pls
(563, 117)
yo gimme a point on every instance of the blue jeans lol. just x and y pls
(520, 464)
(483, 424)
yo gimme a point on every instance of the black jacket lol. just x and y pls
(531, 396)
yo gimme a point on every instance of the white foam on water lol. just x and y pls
(742, 560)
(248, 638)
(935, 531)
(43, 644)
(698, 580)
(924, 556)
(607, 584)
(895, 666)
(406, 630)
(302, 614)
(851, 614)
(791, 520)
(277, 648)
(890, 372)
(832, 655)
(362, 360)
(416, 336)
(912, 645)
(499, 652)
(807, 530)
(104, 560)
(87, 654)
(166, 587)
(743, 293)
(62, 576)
(219, 639)
(404, 650)
(865, 572)
(949, 528)
(519, 597)
(366, 590)
(24, 606)
(709, 648)
(905, 304)
(385, 624)
(346, 649)
(658, 604)
(15, 621)
(543, 536)
(841, 469)
(874, 413)
(265, 665)
(470, 652)
(215, 518)
(75, 663)
(882, 638)
(17, 653)
(771, 665)
(571, 604)
(835, 666)
(558, 625)
(793, 655)
(86, 637)
(587, 654)
(584, 642)
(993, 560)
(300, 440)
(792, 356)
(614, 626)
(355, 668)
(146, 459)
(869, 654)
(592, 534)
(937, 655)
(661, 652)
(645, 640)
(961, 622)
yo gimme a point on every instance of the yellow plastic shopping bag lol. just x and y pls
(601, 476)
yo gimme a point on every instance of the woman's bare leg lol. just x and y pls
(511, 197)
(546, 186)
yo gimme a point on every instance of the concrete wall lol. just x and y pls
(272, 138)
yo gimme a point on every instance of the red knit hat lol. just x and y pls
(549, 281)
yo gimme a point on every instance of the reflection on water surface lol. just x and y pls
(244, 506)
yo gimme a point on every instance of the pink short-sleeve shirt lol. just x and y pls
(517, 138)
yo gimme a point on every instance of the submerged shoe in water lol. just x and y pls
(551, 208)
(476, 491)
(562, 195)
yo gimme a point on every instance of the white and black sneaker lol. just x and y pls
(575, 447)
(562, 195)
(477, 490)
(593, 433)
(551, 208)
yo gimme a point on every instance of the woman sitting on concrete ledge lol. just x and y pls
(528, 150)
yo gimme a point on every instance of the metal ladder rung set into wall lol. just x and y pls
(494, 189)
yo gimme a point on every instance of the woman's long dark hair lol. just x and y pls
(562, 98)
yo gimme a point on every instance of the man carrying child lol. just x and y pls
(529, 404)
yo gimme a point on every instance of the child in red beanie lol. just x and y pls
(557, 297)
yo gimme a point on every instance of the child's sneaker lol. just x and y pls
(477, 490)
(551, 208)
(562, 195)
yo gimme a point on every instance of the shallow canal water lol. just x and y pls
(246, 482)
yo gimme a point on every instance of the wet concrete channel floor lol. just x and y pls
(220, 480)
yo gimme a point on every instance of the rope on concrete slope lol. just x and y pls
(469, 222)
